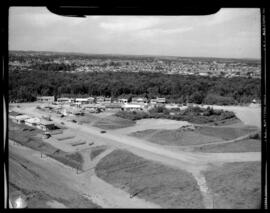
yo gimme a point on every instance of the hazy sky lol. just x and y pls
(231, 33)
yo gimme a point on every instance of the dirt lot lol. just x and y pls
(168, 187)
(113, 122)
(246, 145)
(236, 185)
(41, 186)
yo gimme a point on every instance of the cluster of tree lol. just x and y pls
(192, 114)
(26, 85)
(54, 66)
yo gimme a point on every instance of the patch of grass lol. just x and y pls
(225, 133)
(246, 145)
(166, 186)
(236, 185)
(96, 151)
(113, 122)
(176, 137)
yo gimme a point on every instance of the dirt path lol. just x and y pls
(86, 183)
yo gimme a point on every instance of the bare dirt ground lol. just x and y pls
(193, 162)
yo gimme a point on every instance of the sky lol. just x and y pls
(229, 33)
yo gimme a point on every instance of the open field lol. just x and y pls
(41, 186)
(246, 145)
(175, 137)
(152, 181)
(113, 122)
(200, 135)
(236, 185)
(30, 139)
(225, 133)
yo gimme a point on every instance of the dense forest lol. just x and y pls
(26, 85)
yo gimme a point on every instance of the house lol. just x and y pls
(47, 99)
(21, 118)
(100, 99)
(81, 101)
(153, 101)
(123, 100)
(132, 107)
(107, 100)
(161, 100)
(113, 106)
(46, 125)
(63, 100)
(138, 100)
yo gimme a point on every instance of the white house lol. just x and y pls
(132, 107)
(48, 99)
(123, 100)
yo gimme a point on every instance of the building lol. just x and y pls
(64, 100)
(123, 100)
(47, 99)
(113, 106)
(138, 100)
(132, 107)
(107, 100)
(100, 99)
(161, 100)
(82, 101)
(46, 125)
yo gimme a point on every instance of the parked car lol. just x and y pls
(102, 131)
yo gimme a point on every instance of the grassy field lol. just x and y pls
(39, 186)
(226, 133)
(201, 135)
(175, 137)
(27, 136)
(236, 185)
(113, 122)
(246, 145)
(95, 151)
(168, 187)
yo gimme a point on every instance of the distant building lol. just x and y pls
(100, 99)
(161, 100)
(64, 100)
(139, 100)
(32, 121)
(132, 107)
(46, 125)
(47, 99)
(113, 106)
(107, 100)
(123, 100)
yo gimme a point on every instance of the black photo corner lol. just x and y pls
(117, 93)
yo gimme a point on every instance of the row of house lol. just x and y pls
(42, 124)
(98, 100)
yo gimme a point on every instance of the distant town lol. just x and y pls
(75, 63)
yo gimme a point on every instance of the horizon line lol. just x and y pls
(145, 55)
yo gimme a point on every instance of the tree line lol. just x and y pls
(26, 85)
